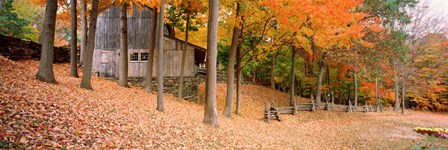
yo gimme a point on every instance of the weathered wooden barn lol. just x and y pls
(107, 47)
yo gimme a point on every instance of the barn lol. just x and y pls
(107, 47)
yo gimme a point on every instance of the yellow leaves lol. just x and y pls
(139, 3)
(303, 43)
(306, 31)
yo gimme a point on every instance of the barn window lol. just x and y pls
(134, 57)
(144, 57)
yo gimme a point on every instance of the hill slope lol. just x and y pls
(34, 114)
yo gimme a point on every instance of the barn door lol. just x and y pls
(107, 64)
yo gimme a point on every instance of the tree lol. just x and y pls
(184, 55)
(272, 78)
(319, 80)
(210, 111)
(83, 31)
(392, 13)
(123, 76)
(292, 93)
(73, 40)
(231, 64)
(253, 33)
(355, 82)
(160, 49)
(86, 77)
(178, 11)
(318, 29)
(45, 72)
(12, 24)
(150, 63)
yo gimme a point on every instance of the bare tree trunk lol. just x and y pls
(377, 97)
(239, 78)
(210, 111)
(397, 99)
(45, 72)
(239, 71)
(329, 84)
(311, 74)
(160, 63)
(273, 71)
(150, 64)
(86, 76)
(123, 76)
(292, 93)
(355, 83)
(83, 32)
(319, 80)
(403, 95)
(184, 55)
(73, 40)
(231, 66)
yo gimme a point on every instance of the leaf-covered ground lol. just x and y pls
(35, 114)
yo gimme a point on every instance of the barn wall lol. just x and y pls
(107, 46)
(108, 29)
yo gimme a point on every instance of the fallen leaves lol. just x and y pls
(38, 115)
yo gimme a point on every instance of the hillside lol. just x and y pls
(34, 115)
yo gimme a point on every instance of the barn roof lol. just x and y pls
(199, 52)
(191, 44)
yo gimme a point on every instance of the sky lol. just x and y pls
(439, 6)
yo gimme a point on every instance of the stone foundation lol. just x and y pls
(17, 49)
(171, 85)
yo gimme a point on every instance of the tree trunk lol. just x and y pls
(123, 76)
(184, 55)
(210, 111)
(150, 64)
(231, 66)
(397, 100)
(329, 83)
(403, 95)
(86, 77)
(73, 40)
(239, 71)
(238, 79)
(273, 71)
(45, 72)
(160, 63)
(170, 29)
(355, 83)
(311, 74)
(83, 32)
(377, 97)
(319, 81)
(292, 93)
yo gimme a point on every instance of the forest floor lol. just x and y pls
(35, 114)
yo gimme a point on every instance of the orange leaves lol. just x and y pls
(330, 23)
(38, 115)
(343, 71)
